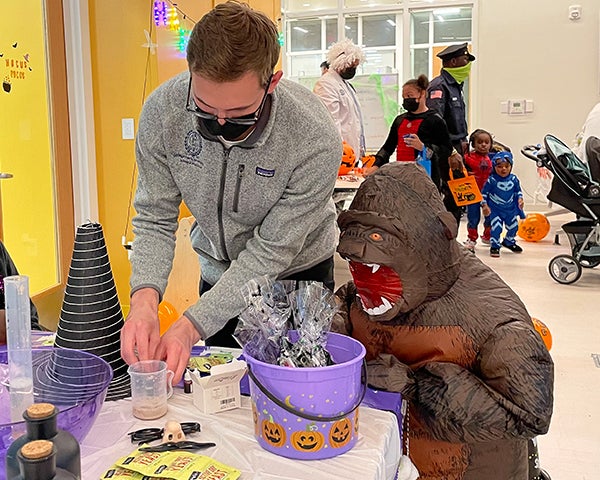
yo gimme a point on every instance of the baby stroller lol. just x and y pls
(575, 188)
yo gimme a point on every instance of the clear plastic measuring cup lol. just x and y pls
(150, 388)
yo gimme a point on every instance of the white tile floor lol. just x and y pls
(571, 449)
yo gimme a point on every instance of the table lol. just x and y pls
(374, 457)
(345, 189)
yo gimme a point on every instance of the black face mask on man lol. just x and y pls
(229, 131)
(410, 104)
(348, 73)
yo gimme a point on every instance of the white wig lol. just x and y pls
(344, 54)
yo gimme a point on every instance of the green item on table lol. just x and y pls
(175, 465)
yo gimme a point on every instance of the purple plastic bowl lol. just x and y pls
(74, 381)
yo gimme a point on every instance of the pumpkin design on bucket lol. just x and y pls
(273, 433)
(255, 418)
(340, 433)
(309, 440)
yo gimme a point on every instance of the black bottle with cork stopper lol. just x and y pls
(37, 461)
(41, 424)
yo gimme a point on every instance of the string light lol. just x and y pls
(183, 37)
(172, 18)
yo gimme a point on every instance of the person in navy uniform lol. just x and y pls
(445, 95)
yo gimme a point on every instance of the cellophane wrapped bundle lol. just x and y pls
(275, 307)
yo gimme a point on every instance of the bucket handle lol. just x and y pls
(308, 416)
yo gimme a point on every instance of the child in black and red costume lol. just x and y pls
(415, 130)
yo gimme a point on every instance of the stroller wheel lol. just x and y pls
(564, 269)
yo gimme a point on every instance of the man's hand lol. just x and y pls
(455, 161)
(141, 334)
(176, 345)
(485, 209)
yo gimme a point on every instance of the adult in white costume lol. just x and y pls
(340, 97)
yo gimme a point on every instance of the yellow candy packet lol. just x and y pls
(176, 465)
(118, 473)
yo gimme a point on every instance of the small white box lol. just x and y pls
(220, 390)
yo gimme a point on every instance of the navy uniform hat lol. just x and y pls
(454, 51)
(502, 157)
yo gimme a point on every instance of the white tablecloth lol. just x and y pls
(374, 457)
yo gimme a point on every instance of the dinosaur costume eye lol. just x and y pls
(376, 237)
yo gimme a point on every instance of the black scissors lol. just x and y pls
(184, 445)
(146, 435)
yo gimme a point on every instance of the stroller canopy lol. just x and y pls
(573, 186)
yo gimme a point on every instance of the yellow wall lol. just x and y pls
(120, 71)
(120, 68)
(28, 199)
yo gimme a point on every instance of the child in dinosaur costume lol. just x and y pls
(444, 330)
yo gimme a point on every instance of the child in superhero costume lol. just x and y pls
(442, 329)
(503, 203)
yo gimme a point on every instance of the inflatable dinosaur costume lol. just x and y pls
(444, 330)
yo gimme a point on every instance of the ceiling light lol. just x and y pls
(300, 29)
(391, 22)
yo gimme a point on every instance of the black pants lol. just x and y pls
(322, 272)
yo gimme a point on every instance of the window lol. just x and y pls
(377, 25)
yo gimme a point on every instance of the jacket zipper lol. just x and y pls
(220, 205)
(238, 183)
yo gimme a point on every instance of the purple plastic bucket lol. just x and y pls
(309, 413)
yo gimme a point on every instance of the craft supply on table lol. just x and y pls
(150, 388)
(18, 341)
(41, 424)
(178, 465)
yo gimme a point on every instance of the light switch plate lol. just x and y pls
(127, 129)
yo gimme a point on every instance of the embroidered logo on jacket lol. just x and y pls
(263, 172)
(193, 143)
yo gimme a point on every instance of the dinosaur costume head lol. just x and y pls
(399, 241)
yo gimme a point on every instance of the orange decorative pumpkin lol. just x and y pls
(167, 315)
(340, 433)
(534, 227)
(308, 440)
(543, 330)
(273, 433)
(368, 161)
(348, 159)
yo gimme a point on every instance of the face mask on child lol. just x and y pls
(410, 104)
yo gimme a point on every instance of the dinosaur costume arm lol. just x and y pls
(510, 398)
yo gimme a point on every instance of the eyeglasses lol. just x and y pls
(249, 119)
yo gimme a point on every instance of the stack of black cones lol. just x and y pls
(91, 317)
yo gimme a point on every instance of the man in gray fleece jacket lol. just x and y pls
(255, 159)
